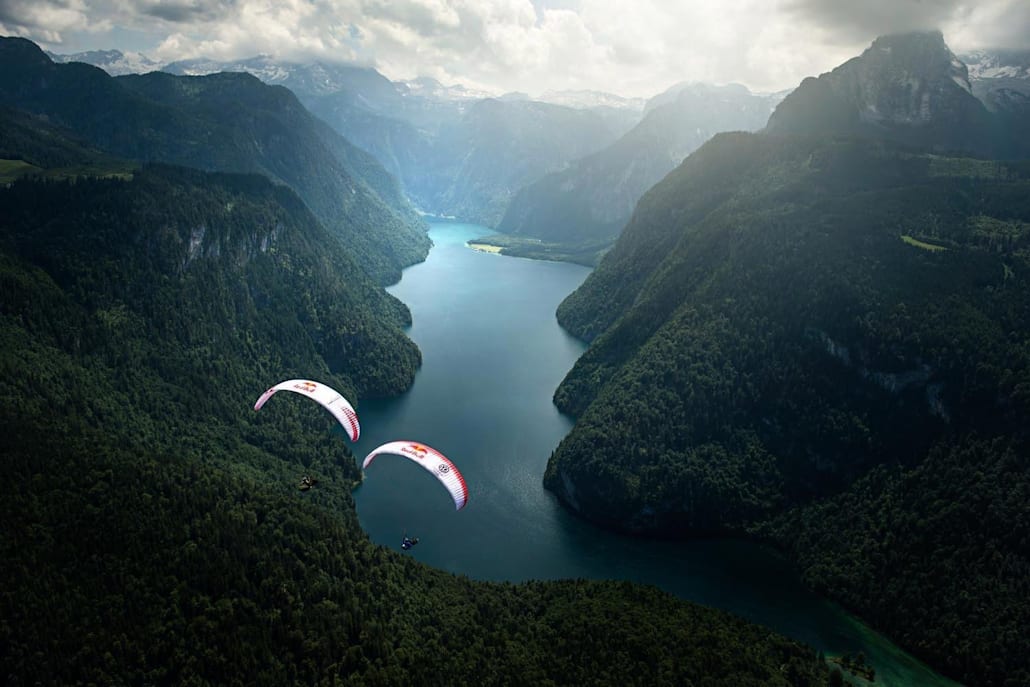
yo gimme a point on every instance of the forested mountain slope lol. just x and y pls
(153, 532)
(31, 145)
(790, 326)
(225, 122)
(146, 251)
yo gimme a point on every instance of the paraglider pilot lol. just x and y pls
(407, 542)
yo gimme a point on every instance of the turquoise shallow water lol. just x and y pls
(493, 354)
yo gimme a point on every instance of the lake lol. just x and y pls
(493, 354)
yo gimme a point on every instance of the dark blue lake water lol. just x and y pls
(493, 355)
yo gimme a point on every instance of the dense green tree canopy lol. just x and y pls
(783, 316)
(153, 529)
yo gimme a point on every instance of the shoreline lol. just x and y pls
(484, 247)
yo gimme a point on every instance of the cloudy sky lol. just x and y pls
(629, 47)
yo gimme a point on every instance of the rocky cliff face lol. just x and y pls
(911, 79)
(907, 87)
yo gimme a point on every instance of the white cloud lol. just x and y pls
(631, 47)
(965, 23)
(864, 20)
(1004, 24)
(46, 20)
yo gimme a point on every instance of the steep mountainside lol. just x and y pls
(374, 113)
(30, 145)
(910, 88)
(226, 122)
(591, 200)
(130, 251)
(782, 318)
(153, 532)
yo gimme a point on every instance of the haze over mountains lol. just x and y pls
(456, 152)
(547, 168)
(591, 200)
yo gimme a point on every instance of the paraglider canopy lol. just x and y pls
(430, 459)
(326, 396)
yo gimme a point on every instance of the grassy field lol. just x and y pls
(13, 169)
(535, 249)
(484, 247)
(922, 244)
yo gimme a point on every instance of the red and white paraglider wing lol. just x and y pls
(430, 459)
(326, 396)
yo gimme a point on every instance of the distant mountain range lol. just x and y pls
(990, 70)
(590, 201)
(425, 134)
(114, 62)
(456, 152)
(584, 99)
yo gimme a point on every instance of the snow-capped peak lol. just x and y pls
(114, 62)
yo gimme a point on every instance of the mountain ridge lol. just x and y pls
(433, 138)
(907, 87)
(200, 122)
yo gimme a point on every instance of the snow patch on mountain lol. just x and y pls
(586, 99)
(114, 62)
(426, 87)
(986, 64)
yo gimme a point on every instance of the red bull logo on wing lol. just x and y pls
(417, 450)
(308, 387)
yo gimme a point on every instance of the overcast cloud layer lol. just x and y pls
(629, 47)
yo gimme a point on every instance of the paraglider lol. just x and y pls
(326, 396)
(430, 459)
(407, 542)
